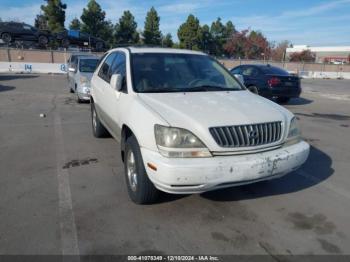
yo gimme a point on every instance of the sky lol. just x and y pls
(311, 22)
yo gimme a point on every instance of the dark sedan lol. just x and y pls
(14, 31)
(75, 37)
(269, 81)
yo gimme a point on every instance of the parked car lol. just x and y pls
(73, 59)
(269, 81)
(186, 125)
(75, 37)
(14, 31)
(79, 76)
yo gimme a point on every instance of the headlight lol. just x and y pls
(294, 132)
(84, 80)
(178, 142)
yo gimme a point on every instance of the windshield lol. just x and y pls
(162, 72)
(88, 65)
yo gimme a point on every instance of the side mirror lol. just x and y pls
(116, 82)
(240, 78)
(71, 69)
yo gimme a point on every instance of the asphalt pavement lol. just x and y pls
(62, 191)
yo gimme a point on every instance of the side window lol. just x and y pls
(119, 67)
(104, 70)
(236, 70)
(74, 61)
(250, 71)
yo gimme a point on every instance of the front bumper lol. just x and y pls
(196, 175)
(83, 93)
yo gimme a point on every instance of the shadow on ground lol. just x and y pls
(299, 101)
(6, 88)
(16, 76)
(317, 168)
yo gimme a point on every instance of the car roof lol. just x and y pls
(135, 49)
(260, 65)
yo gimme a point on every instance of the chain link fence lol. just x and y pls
(311, 70)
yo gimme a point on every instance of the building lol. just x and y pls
(324, 54)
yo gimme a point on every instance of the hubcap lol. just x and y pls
(131, 171)
(94, 118)
(6, 38)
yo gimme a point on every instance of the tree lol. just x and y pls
(207, 42)
(55, 14)
(107, 33)
(229, 30)
(257, 46)
(40, 22)
(152, 35)
(221, 34)
(235, 46)
(303, 56)
(94, 23)
(167, 41)
(93, 19)
(75, 24)
(189, 33)
(248, 44)
(278, 52)
(125, 30)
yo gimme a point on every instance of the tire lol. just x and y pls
(43, 40)
(253, 89)
(98, 129)
(6, 37)
(65, 43)
(79, 101)
(283, 100)
(140, 188)
(99, 46)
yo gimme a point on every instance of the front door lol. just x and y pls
(104, 94)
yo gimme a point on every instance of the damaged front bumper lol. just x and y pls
(196, 175)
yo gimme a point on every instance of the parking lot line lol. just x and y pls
(69, 238)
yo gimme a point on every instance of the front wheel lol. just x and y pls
(65, 43)
(6, 37)
(43, 40)
(99, 46)
(79, 101)
(140, 188)
(253, 89)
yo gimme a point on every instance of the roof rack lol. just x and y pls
(138, 45)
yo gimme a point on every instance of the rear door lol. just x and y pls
(251, 75)
(116, 99)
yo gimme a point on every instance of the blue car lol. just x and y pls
(269, 81)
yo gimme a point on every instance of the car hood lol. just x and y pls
(198, 111)
(87, 75)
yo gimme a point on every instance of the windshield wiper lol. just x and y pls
(209, 88)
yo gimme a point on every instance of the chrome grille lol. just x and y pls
(247, 135)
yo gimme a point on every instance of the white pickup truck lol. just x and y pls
(186, 125)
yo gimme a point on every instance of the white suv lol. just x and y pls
(186, 125)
